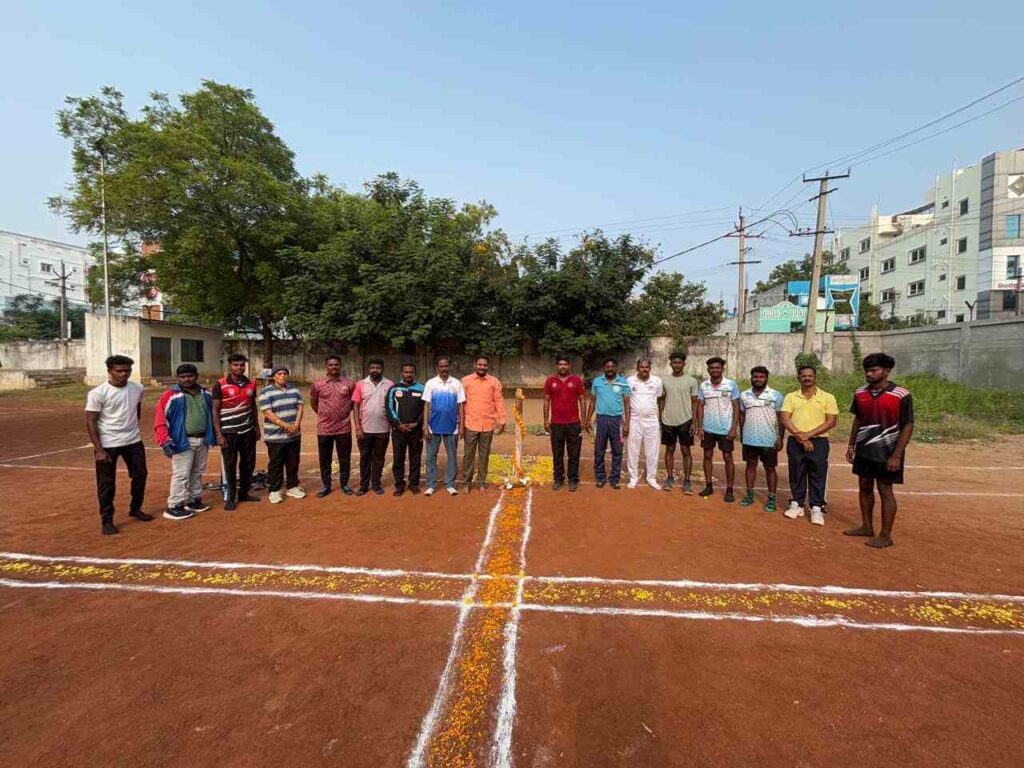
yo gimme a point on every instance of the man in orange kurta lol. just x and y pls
(485, 418)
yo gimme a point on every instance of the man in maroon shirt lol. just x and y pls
(564, 400)
(331, 398)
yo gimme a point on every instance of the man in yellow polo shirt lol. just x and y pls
(808, 414)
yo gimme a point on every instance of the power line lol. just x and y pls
(620, 223)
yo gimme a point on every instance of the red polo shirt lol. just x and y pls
(564, 398)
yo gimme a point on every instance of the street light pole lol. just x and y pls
(106, 277)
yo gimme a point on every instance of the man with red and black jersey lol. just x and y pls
(883, 423)
(237, 429)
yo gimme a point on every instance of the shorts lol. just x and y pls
(681, 434)
(876, 470)
(725, 445)
(769, 457)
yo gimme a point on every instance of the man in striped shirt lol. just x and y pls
(281, 406)
(236, 425)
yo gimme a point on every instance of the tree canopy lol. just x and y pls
(34, 318)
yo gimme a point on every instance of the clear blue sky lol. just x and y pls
(562, 115)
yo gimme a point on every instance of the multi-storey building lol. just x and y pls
(31, 265)
(957, 257)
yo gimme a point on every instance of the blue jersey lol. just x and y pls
(760, 417)
(444, 398)
(608, 395)
(718, 405)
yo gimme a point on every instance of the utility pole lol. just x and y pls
(741, 292)
(61, 282)
(819, 239)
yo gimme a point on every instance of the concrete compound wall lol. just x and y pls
(42, 355)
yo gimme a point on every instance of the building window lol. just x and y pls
(918, 255)
(961, 245)
(959, 318)
(1013, 227)
(943, 241)
(942, 314)
(888, 294)
(1009, 301)
(965, 206)
(192, 350)
(1012, 267)
(864, 272)
(844, 255)
(961, 282)
(865, 244)
(942, 277)
(889, 265)
(45, 266)
(945, 203)
(915, 288)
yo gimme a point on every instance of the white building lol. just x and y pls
(30, 265)
(957, 257)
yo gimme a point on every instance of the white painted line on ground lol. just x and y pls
(212, 564)
(47, 453)
(429, 724)
(161, 590)
(802, 621)
(502, 748)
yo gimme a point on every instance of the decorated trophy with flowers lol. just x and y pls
(518, 477)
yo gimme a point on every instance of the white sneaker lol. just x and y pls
(631, 484)
(795, 510)
(817, 516)
(296, 493)
(452, 491)
(275, 497)
(654, 484)
(428, 492)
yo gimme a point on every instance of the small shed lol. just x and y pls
(157, 347)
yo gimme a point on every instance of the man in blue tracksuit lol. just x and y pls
(610, 401)
(405, 412)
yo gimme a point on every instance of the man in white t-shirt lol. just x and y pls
(112, 412)
(645, 403)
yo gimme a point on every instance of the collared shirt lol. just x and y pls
(334, 405)
(236, 404)
(679, 394)
(643, 396)
(284, 403)
(565, 398)
(372, 399)
(808, 413)
(405, 404)
(195, 413)
(608, 395)
(882, 416)
(760, 417)
(485, 404)
(717, 399)
(444, 396)
(118, 408)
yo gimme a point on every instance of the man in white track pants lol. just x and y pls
(646, 399)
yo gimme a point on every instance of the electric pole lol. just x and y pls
(741, 292)
(819, 239)
(61, 282)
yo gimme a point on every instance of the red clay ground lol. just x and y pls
(139, 679)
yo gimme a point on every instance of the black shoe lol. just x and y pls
(600, 483)
(669, 482)
(248, 497)
(573, 485)
(230, 505)
(708, 490)
(614, 485)
(196, 505)
(181, 512)
(556, 486)
(414, 490)
(362, 492)
(140, 515)
(109, 528)
(728, 498)
(323, 491)
(379, 491)
(347, 490)
(396, 492)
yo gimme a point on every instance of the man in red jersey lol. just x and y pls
(564, 401)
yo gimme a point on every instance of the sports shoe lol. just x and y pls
(275, 497)
(687, 487)
(794, 511)
(452, 491)
(108, 528)
(362, 491)
(180, 512)
(655, 485)
(140, 515)
(398, 491)
(379, 491)
(615, 485)
(669, 482)
(230, 505)
(196, 505)
(428, 492)
(728, 498)
(631, 484)
(817, 516)
(347, 490)
(708, 491)
(748, 499)
(573, 485)
(556, 486)
(323, 491)
(600, 483)
(414, 490)
(296, 493)
(770, 504)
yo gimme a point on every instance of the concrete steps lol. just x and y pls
(48, 379)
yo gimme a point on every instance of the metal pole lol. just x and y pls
(63, 301)
(106, 276)
(812, 293)
(741, 297)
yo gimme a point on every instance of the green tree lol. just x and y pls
(670, 306)
(801, 270)
(870, 317)
(34, 318)
(210, 181)
(126, 273)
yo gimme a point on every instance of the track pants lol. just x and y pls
(566, 436)
(609, 430)
(283, 459)
(327, 446)
(187, 470)
(644, 432)
(238, 462)
(134, 457)
(372, 449)
(808, 468)
(476, 457)
(406, 444)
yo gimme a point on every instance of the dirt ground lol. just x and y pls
(639, 628)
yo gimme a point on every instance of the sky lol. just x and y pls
(652, 118)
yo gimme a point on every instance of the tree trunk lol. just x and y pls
(268, 343)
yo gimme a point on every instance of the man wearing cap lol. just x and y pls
(184, 431)
(369, 400)
(281, 406)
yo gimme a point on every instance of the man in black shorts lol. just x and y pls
(677, 420)
(761, 433)
(883, 423)
(717, 420)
